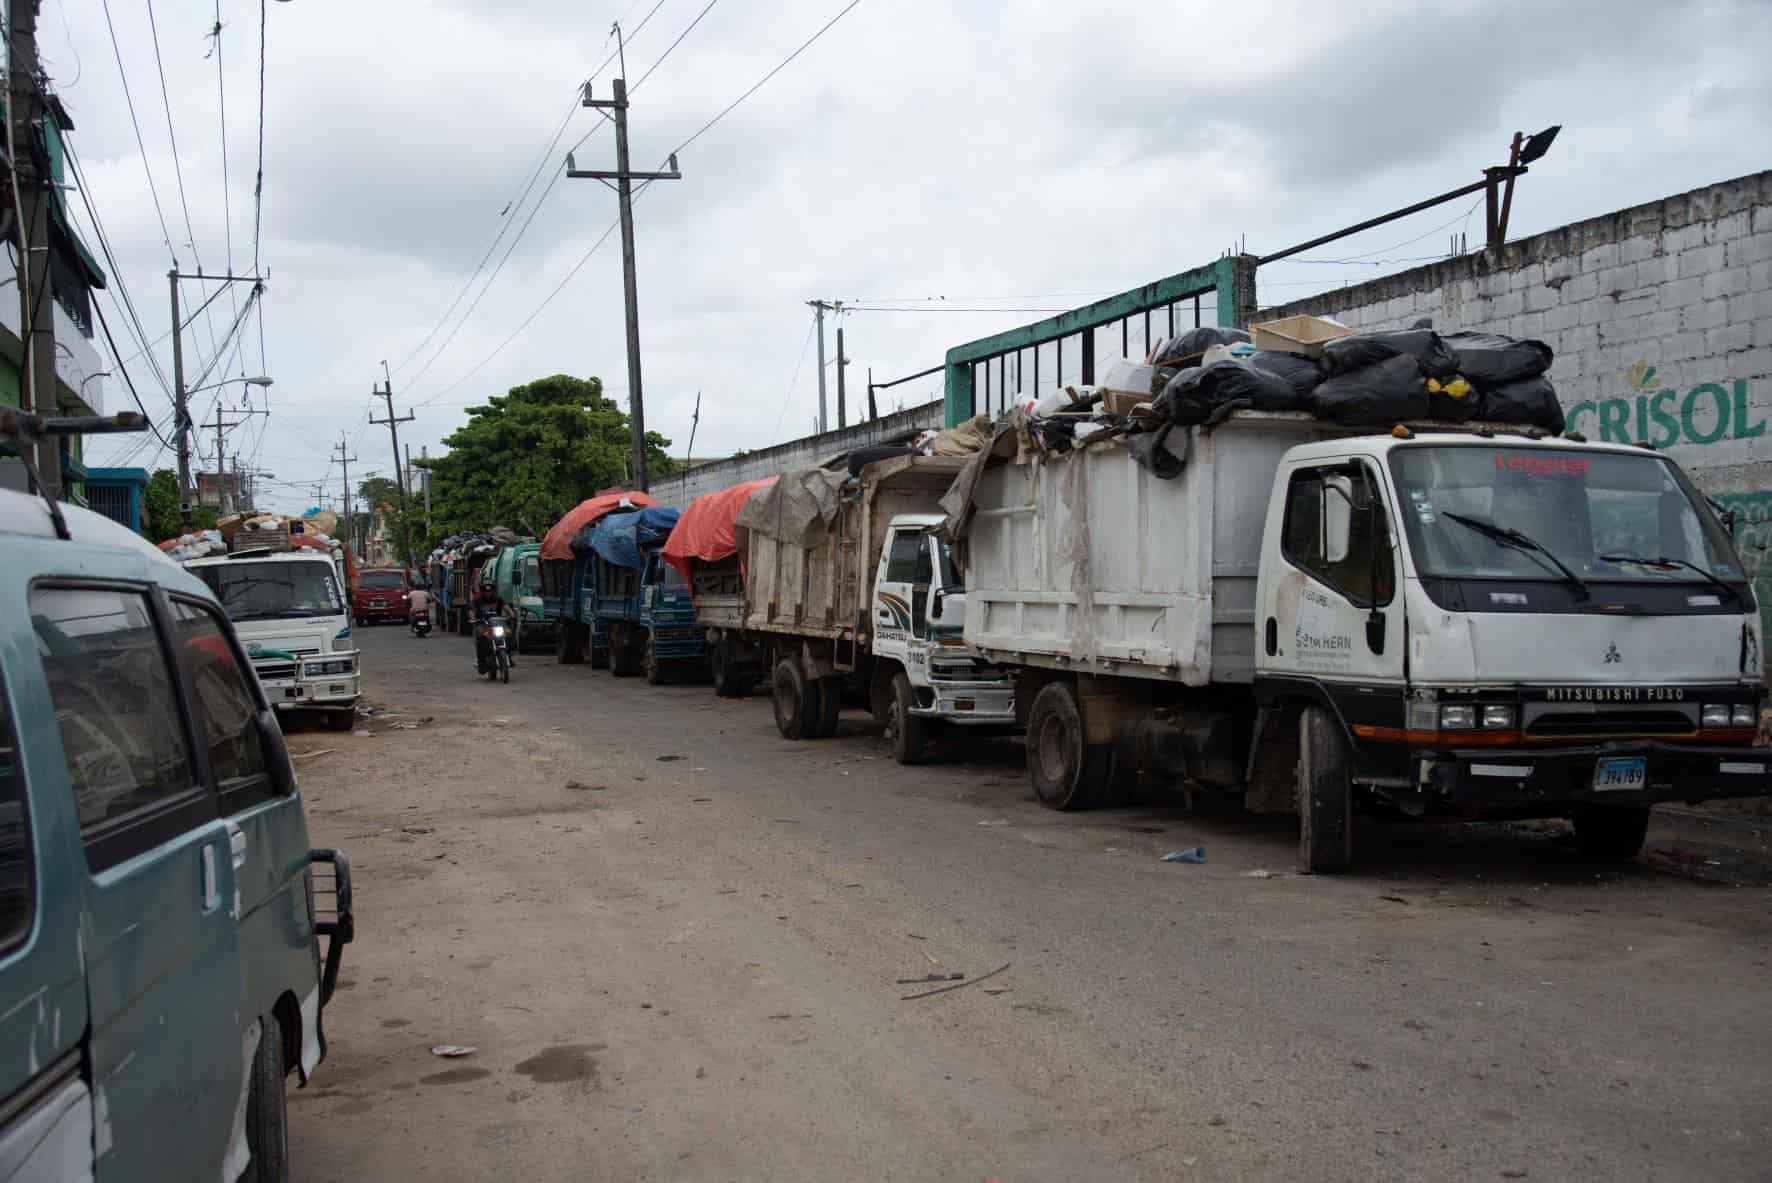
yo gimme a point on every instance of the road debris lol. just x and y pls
(1193, 854)
(1257, 873)
(363, 734)
(993, 821)
(579, 786)
(953, 977)
(958, 985)
(668, 759)
(307, 755)
(454, 1051)
(1394, 899)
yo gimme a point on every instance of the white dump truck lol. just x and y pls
(862, 603)
(1461, 622)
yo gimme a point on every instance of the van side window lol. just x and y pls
(903, 559)
(116, 703)
(1310, 497)
(225, 708)
(16, 879)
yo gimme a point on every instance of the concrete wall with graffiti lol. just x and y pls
(1661, 319)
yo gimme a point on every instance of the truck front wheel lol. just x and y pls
(1611, 833)
(909, 733)
(1325, 794)
(796, 700)
(1066, 772)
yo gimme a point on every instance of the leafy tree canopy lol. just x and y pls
(160, 507)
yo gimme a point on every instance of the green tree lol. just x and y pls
(161, 508)
(526, 457)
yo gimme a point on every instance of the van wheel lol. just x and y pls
(909, 733)
(830, 705)
(341, 720)
(796, 701)
(1325, 794)
(1066, 772)
(1611, 833)
(267, 1118)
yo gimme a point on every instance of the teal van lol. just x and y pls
(168, 941)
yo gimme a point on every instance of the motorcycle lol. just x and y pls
(498, 659)
(421, 625)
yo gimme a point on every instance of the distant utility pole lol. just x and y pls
(822, 307)
(424, 474)
(181, 419)
(27, 113)
(393, 426)
(694, 422)
(842, 399)
(624, 177)
(221, 467)
(345, 460)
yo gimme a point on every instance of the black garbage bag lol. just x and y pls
(1153, 451)
(1301, 373)
(1531, 401)
(1387, 392)
(862, 457)
(1196, 392)
(1453, 407)
(1491, 359)
(1432, 355)
(1186, 349)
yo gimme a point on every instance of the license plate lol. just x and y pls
(1618, 774)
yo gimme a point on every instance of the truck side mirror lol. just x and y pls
(1338, 517)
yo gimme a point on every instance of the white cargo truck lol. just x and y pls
(871, 609)
(1461, 622)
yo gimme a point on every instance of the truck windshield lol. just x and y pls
(532, 571)
(382, 581)
(1607, 516)
(272, 590)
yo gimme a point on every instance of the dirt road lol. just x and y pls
(674, 939)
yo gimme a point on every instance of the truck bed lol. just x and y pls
(1088, 562)
(718, 589)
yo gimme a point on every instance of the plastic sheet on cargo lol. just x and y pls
(557, 542)
(621, 538)
(798, 509)
(706, 530)
(963, 439)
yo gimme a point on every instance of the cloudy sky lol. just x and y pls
(1003, 156)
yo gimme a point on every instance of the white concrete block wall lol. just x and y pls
(1661, 320)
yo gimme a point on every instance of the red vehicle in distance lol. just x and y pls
(381, 593)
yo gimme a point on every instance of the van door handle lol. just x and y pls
(1273, 636)
(211, 887)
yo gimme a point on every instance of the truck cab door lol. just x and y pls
(897, 617)
(1329, 607)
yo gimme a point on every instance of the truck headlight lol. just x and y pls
(1714, 714)
(320, 669)
(1744, 715)
(1498, 717)
(1458, 717)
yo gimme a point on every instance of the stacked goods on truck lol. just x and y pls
(456, 572)
(642, 601)
(704, 549)
(848, 593)
(567, 567)
(1448, 619)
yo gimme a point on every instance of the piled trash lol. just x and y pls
(468, 542)
(198, 545)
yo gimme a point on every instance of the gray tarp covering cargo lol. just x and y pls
(798, 509)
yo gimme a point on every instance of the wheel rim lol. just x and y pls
(895, 717)
(1050, 749)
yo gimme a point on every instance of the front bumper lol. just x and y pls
(970, 704)
(382, 612)
(301, 693)
(1537, 780)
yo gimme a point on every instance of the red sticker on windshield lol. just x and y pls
(1537, 466)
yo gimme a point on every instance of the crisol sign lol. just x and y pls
(1701, 414)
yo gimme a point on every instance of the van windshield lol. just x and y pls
(1607, 516)
(272, 590)
(382, 581)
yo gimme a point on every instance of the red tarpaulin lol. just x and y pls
(705, 530)
(557, 544)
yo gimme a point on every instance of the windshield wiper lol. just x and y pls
(1665, 561)
(1508, 536)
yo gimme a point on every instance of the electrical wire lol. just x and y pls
(604, 64)
(667, 53)
(258, 186)
(1367, 258)
(795, 382)
(129, 98)
(864, 308)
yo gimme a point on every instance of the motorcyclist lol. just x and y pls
(418, 603)
(489, 608)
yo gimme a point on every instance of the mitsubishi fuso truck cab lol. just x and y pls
(1433, 622)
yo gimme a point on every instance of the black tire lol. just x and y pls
(909, 733)
(796, 701)
(1610, 833)
(649, 662)
(267, 1115)
(729, 677)
(1066, 773)
(621, 656)
(567, 650)
(343, 720)
(504, 668)
(1325, 794)
(830, 706)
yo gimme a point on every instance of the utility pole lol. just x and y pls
(221, 467)
(181, 417)
(842, 399)
(624, 177)
(694, 423)
(424, 474)
(345, 460)
(821, 308)
(393, 425)
(27, 112)
(873, 411)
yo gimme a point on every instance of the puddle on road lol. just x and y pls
(563, 1065)
(456, 1076)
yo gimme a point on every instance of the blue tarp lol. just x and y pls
(620, 536)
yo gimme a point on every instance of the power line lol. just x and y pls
(861, 308)
(258, 187)
(604, 64)
(667, 53)
(792, 385)
(129, 97)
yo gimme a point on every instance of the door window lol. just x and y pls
(224, 707)
(16, 878)
(905, 556)
(122, 735)
(1322, 504)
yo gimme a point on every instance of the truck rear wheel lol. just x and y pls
(830, 705)
(731, 680)
(1066, 772)
(796, 701)
(1325, 794)
(909, 733)
(1611, 833)
(568, 649)
(623, 661)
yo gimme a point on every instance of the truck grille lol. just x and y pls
(275, 669)
(1646, 722)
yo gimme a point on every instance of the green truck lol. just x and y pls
(516, 572)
